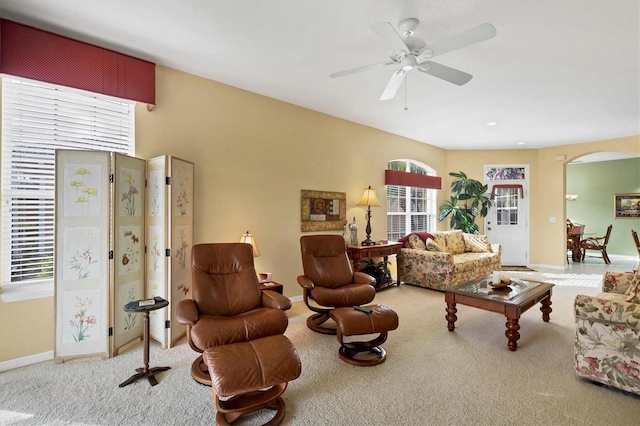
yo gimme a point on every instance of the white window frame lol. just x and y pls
(37, 119)
(410, 199)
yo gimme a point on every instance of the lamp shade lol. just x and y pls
(248, 239)
(369, 198)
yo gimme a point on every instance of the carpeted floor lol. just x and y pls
(431, 377)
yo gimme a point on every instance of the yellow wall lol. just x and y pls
(252, 157)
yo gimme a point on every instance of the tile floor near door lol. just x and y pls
(583, 274)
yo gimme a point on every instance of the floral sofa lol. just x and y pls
(607, 345)
(445, 259)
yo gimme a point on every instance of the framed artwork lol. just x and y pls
(323, 210)
(626, 206)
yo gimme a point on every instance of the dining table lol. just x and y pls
(576, 235)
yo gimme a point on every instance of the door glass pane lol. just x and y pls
(507, 206)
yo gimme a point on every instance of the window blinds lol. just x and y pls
(37, 119)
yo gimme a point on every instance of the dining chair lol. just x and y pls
(597, 243)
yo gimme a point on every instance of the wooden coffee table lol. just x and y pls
(511, 302)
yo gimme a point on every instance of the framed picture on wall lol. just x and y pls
(626, 206)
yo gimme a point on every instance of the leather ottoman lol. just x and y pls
(251, 376)
(361, 320)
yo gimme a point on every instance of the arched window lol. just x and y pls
(410, 209)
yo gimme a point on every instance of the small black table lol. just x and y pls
(149, 373)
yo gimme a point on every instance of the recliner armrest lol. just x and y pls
(187, 312)
(271, 299)
(362, 278)
(305, 282)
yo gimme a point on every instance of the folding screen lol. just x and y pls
(169, 241)
(99, 219)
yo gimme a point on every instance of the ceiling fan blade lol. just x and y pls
(389, 35)
(360, 69)
(444, 72)
(474, 35)
(393, 85)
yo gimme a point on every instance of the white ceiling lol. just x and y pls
(558, 72)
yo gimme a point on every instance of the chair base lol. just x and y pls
(374, 354)
(350, 322)
(315, 321)
(235, 407)
(200, 372)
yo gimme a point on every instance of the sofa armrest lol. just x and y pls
(607, 310)
(496, 248)
(616, 282)
(187, 312)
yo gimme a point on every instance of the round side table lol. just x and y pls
(145, 371)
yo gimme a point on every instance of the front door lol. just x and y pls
(507, 223)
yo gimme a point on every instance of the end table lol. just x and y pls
(359, 252)
(145, 371)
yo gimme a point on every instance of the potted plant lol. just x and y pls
(378, 270)
(467, 201)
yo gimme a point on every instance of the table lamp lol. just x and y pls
(368, 199)
(248, 239)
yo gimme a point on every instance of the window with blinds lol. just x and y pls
(37, 119)
(410, 209)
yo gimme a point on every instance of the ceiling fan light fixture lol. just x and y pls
(408, 26)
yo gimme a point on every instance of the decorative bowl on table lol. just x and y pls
(504, 282)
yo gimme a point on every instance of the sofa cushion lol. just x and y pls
(423, 236)
(469, 261)
(455, 241)
(440, 239)
(433, 246)
(415, 242)
(476, 243)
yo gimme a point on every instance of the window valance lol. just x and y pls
(44, 56)
(395, 177)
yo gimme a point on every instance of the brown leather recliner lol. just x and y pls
(227, 306)
(329, 279)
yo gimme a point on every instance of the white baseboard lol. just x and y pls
(556, 267)
(27, 360)
(295, 299)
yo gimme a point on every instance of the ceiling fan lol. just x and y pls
(410, 52)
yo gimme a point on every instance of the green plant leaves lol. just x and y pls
(468, 201)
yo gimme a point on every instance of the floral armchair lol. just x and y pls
(607, 341)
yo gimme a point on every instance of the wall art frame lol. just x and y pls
(626, 206)
(322, 210)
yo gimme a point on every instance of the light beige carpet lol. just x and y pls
(431, 377)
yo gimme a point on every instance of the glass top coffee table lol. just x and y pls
(510, 301)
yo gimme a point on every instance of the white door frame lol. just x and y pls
(523, 236)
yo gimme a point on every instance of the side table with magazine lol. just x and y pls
(145, 306)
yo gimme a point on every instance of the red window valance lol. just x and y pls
(505, 185)
(40, 55)
(394, 177)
